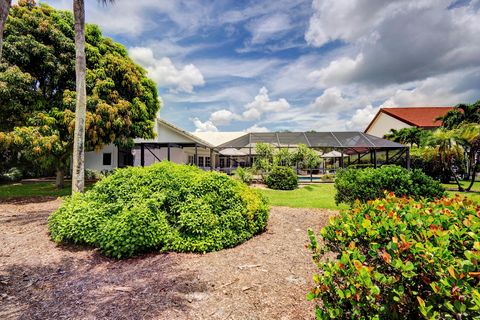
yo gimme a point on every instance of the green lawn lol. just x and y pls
(32, 189)
(310, 196)
(453, 185)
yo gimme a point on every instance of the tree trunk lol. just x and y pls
(473, 170)
(4, 9)
(60, 178)
(78, 170)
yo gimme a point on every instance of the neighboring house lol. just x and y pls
(399, 118)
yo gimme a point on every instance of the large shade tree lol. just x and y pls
(38, 74)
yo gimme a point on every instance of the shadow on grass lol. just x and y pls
(98, 288)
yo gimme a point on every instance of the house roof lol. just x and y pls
(352, 140)
(187, 135)
(218, 138)
(423, 117)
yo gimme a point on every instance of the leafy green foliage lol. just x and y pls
(282, 178)
(165, 207)
(244, 174)
(369, 183)
(411, 136)
(264, 156)
(398, 258)
(37, 79)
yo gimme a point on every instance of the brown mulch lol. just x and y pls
(267, 277)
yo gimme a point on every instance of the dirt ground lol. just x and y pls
(267, 277)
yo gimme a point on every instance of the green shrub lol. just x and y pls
(369, 183)
(166, 207)
(93, 175)
(282, 178)
(244, 174)
(398, 258)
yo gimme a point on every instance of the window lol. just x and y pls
(222, 162)
(107, 159)
(200, 161)
(190, 159)
(207, 162)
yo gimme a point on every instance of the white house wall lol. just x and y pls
(94, 159)
(177, 155)
(384, 123)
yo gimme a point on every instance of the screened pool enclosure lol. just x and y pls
(337, 149)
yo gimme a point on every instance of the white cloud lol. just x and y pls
(403, 41)
(267, 27)
(223, 117)
(449, 89)
(338, 71)
(257, 128)
(262, 104)
(331, 99)
(361, 118)
(164, 72)
(206, 126)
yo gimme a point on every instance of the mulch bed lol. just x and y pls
(267, 277)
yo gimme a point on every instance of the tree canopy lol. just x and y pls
(37, 86)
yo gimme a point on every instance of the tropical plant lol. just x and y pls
(162, 207)
(244, 174)
(37, 117)
(311, 161)
(462, 113)
(468, 136)
(432, 163)
(398, 258)
(447, 151)
(412, 136)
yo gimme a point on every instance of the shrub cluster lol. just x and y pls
(165, 207)
(400, 259)
(282, 178)
(369, 183)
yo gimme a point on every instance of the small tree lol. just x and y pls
(311, 161)
(264, 156)
(283, 157)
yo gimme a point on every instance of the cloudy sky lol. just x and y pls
(297, 65)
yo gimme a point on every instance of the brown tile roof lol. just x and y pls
(423, 117)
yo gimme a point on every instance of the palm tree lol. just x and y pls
(78, 170)
(4, 9)
(468, 136)
(462, 113)
(447, 150)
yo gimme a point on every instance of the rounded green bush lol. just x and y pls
(282, 178)
(398, 258)
(369, 183)
(166, 207)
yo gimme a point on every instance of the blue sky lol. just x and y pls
(297, 65)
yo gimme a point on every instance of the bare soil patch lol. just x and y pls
(267, 277)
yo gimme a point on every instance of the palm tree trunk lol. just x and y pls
(473, 170)
(78, 170)
(4, 9)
